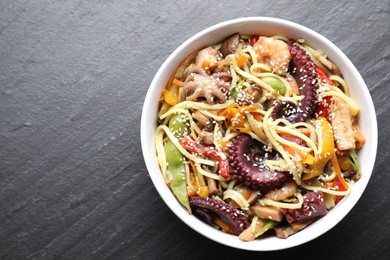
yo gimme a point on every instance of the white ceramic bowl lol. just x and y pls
(263, 26)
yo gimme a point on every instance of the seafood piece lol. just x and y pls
(273, 52)
(342, 125)
(249, 95)
(207, 58)
(313, 206)
(247, 157)
(303, 70)
(287, 190)
(268, 212)
(199, 84)
(286, 231)
(228, 214)
(249, 234)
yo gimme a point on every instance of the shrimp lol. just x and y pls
(274, 53)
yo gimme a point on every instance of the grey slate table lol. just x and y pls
(73, 76)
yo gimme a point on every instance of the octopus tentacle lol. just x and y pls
(228, 214)
(303, 70)
(247, 157)
(199, 84)
(313, 206)
(283, 109)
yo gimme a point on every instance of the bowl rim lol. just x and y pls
(196, 224)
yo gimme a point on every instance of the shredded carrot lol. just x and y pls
(359, 137)
(246, 193)
(200, 189)
(170, 98)
(206, 64)
(241, 60)
(302, 130)
(178, 83)
(244, 130)
(257, 117)
(223, 145)
(302, 156)
(226, 110)
(337, 170)
(169, 83)
(225, 227)
(226, 79)
(247, 108)
(191, 193)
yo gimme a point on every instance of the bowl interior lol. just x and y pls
(263, 26)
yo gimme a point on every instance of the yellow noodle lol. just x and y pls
(333, 192)
(213, 116)
(257, 67)
(353, 106)
(237, 197)
(182, 150)
(251, 77)
(188, 179)
(342, 82)
(252, 54)
(254, 224)
(256, 128)
(231, 184)
(280, 37)
(292, 144)
(201, 105)
(185, 112)
(277, 165)
(318, 56)
(308, 141)
(268, 202)
(223, 184)
(328, 177)
(283, 80)
(209, 174)
(294, 168)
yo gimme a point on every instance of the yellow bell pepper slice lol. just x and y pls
(325, 148)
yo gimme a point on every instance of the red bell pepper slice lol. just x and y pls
(324, 105)
(323, 77)
(253, 40)
(340, 187)
(208, 151)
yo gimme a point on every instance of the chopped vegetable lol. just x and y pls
(359, 137)
(337, 170)
(325, 148)
(275, 84)
(323, 76)
(254, 39)
(178, 83)
(237, 88)
(170, 98)
(200, 189)
(269, 224)
(355, 160)
(324, 106)
(225, 227)
(241, 60)
(208, 151)
(175, 161)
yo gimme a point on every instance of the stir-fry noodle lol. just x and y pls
(258, 135)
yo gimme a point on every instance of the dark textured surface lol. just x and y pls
(73, 76)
